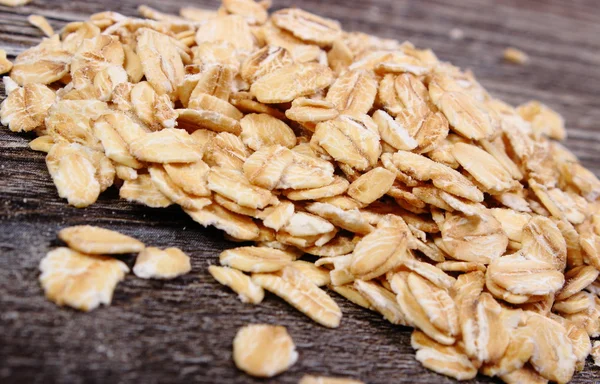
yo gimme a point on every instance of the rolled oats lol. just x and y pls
(225, 150)
(173, 192)
(43, 64)
(233, 224)
(71, 121)
(543, 119)
(466, 115)
(247, 291)
(42, 23)
(553, 356)
(256, 259)
(5, 64)
(95, 240)
(161, 62)
(477, 238)
(264, 61)
(380, 251)
(518, 352)
(191, 177)
(443, 177)
(156, 263)
(521, 276)
(350, 140)
(415, 313)
(233, 185)
(525, 375)
(515, 56)
(319, 276)
(78, 280)
(142, 189)
(298, 290)
(291, 81)
(576, 280)
(263, 350)
(232, 28)
(14, 3)
(430, 272)
(398, 172)
(25, 108)
(305, 110)
(74, 174)
(371, 185)
(169, 145)
(443, 359)
(483, 167)
(263, 130)
(155, 111)
(353, 92)
(307, 26)
(301, 51)
(382, 300)
(42, 143)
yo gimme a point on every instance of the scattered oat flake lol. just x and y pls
(263, 350)
(95, 240)
(156, 263)
(78, 280)
(515, 56)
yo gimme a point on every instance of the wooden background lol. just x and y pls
(181, 330)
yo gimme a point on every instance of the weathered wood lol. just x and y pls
(182, 330)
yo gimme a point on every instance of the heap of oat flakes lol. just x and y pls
(422, 197)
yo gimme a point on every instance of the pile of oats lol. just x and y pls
(402, 184)
(84, 274)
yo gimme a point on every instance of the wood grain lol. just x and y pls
(181, 330)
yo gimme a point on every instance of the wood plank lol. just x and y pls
(181, 330)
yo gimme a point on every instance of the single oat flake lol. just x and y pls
(78, 280)
(242, 284)
(156, 263)
(263, 350)
(96, 240)
(515, 56)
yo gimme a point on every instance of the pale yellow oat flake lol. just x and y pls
(156, 263)
(263, 350)
(256, 259)
(299, 291)
(242, 284)
(96, 240)
(78, 280)
(515, 56)
(42, 23)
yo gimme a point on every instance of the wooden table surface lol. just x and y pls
(181, 330)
